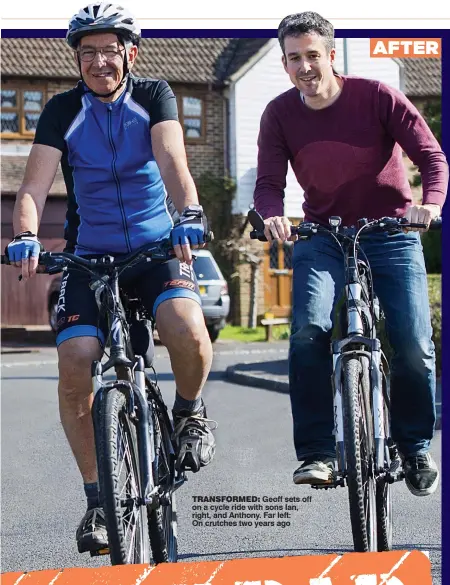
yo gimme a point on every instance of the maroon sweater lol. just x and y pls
(347, 157)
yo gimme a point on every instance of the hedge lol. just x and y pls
(434, 293)
(432, 250)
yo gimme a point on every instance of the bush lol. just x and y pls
(434, 292)
(432, 250)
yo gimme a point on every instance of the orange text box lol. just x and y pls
(390, 568)
(404, 48)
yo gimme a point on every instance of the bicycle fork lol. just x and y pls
(139, 410)
(377, 398)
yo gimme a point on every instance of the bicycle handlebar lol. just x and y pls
(307, 229)
(54, 262)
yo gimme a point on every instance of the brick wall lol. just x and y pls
(241, 312)
(58, 86)
(207, 156)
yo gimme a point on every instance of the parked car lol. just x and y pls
(213, 290)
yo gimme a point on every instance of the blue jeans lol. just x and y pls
(400, 282)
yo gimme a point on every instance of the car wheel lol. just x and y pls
(53, 312)
(213, 332)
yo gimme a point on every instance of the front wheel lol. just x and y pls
(359, 452)
(384, 488)
(119, 480)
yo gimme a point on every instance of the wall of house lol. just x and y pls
(203, 157)
(264, 81)
(248, 99)
(361, 64)
(26, 303)
(208, 156)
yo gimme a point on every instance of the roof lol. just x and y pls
(423, 77)
(180, 60)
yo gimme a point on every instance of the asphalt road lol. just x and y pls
(43, 499)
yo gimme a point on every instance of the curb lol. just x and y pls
(234, 375)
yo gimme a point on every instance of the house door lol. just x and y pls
(278, 278)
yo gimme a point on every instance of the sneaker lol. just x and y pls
(316, 469)
(194, 440)
(421, 474)
(91, 533)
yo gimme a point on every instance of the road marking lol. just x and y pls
(34, 363)
(144, 575)
(214, 573)
(27, 364)
(55, 578)
(384, 578)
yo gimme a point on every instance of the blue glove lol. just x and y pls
(191, 227)
(23, 246)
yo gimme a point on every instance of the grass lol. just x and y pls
(236, 333)
(434, 288)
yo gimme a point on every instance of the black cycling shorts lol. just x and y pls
(78, 314)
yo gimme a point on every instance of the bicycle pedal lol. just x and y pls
(100, 552)
(333, 484)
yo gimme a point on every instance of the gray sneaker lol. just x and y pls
(194, 439)
(421, 474)
(317, 469)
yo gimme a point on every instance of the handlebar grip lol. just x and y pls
(258, 235)
(436, 224)
(209, 237)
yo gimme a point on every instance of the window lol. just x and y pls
(192, 117)
(280, 255)
(205, 269)
(20, 111)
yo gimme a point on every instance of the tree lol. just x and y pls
(432, 112)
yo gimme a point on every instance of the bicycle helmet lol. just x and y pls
(104, 17)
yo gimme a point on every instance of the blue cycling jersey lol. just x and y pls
(117, 201)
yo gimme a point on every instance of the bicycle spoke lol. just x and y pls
(126, 520)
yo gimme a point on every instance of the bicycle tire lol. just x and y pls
(358, 442)
(112, 429)
(384, 495)
(162, 521)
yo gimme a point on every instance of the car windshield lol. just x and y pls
(205, 269)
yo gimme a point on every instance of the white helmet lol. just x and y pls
(103, 17)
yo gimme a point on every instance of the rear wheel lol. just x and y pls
(162, 521)
(213, 332)
(53, 311)
(359, 452)
(119, 480)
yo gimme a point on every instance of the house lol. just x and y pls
(222, 87)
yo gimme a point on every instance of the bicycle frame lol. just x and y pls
(134, 387)
(361, 340)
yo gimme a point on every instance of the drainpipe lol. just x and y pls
(345, 56)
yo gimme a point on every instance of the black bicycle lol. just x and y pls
(368, 461)
(133, 431)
